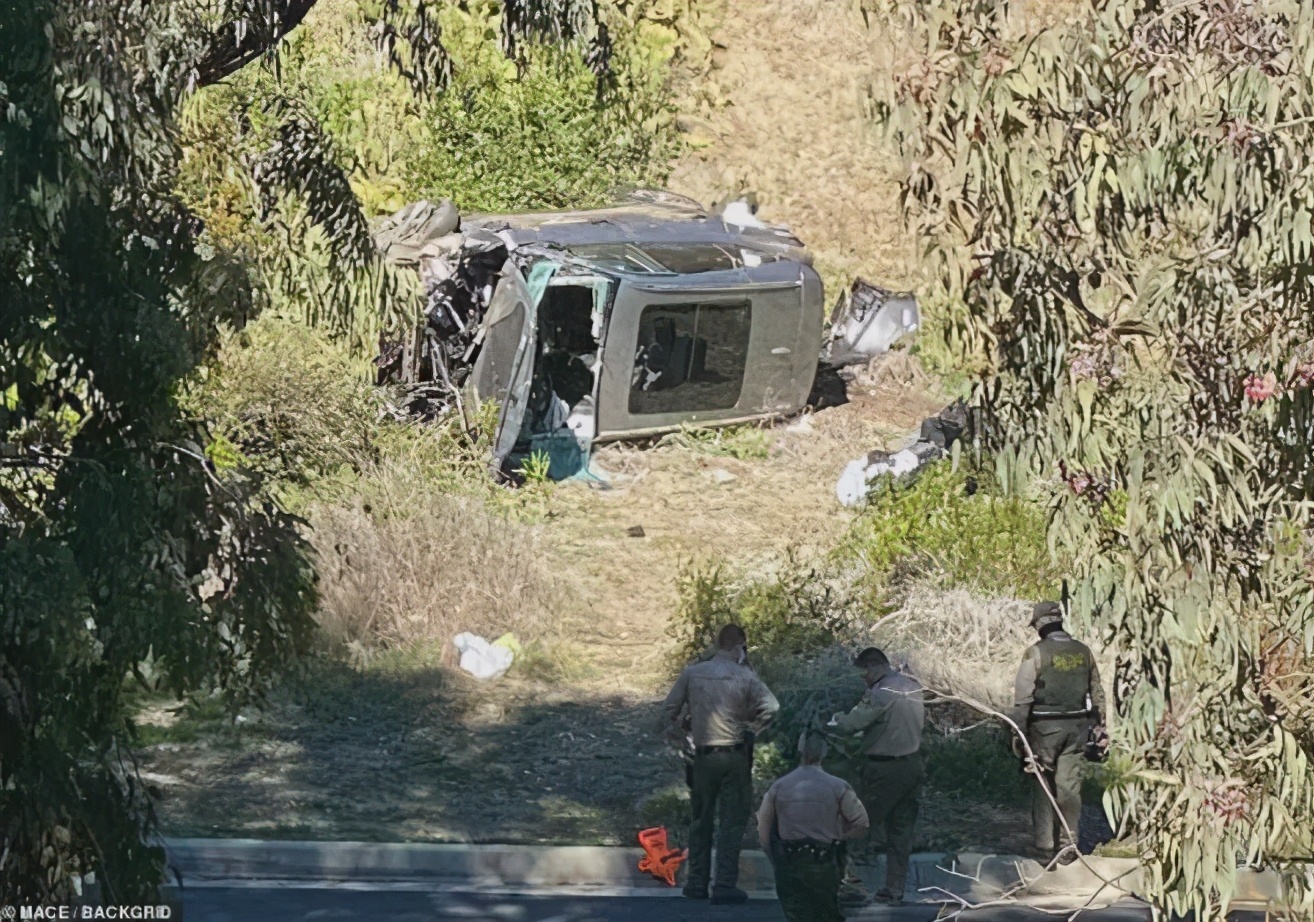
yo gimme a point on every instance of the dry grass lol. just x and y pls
(960, 643)
(626, 586)
(783, 113)
(415, 566)
(894, 370)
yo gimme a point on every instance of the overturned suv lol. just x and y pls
(614, 323)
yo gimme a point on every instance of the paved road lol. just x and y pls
(418, 904)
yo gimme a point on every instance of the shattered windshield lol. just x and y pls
(619, 257)
(669, 258)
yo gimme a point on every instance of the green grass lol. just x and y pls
(955, 528)
(793, 613)
(198, 718)
(1117, 850)
(553, 662)
(743, 443)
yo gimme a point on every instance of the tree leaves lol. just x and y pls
(1147, 214)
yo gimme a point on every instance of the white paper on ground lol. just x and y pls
(482, 659)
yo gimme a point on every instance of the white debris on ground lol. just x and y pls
(482, 659)
(937, 436)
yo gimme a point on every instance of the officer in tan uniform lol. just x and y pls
(890, 717)
(728, 706)
(1057, 699)
(802, 823)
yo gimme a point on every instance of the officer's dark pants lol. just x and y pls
(889, 790)
(807, 883)
(721, 797)
(1059, 746)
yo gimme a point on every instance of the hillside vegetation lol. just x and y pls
(416, 544)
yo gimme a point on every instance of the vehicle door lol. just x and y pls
(504, 368)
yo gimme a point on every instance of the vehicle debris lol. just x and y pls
(867, 321)
(934, 441)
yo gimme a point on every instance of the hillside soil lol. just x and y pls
(419, 751)
(423, 752)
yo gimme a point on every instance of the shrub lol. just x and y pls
(976, 765)
(795, 612)
(954, 527)
(502, 141)
(290, 400)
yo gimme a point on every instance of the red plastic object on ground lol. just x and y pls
(660, 861)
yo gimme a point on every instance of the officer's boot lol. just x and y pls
(852, 891)
(724, 888)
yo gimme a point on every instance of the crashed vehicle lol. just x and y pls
(620, 322)
(616, 323)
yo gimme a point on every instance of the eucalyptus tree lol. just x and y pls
(126, 556)
(1115, 198)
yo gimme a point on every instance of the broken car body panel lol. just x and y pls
(505, 363)
(868, 320)
(655, 316)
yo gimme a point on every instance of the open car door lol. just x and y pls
(504, 368)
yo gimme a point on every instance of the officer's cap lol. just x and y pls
(1044, 614)
(872, 656)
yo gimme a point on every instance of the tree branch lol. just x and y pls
(238, 43)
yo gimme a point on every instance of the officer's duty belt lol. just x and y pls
(1072, 715)
(908, 755)
(814, 847)
(737, 747)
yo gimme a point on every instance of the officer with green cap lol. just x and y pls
(1057, 699)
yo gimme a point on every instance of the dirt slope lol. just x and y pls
(697, 506)
(422, 753)
(783, 114)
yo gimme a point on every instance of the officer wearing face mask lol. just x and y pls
(728, 705)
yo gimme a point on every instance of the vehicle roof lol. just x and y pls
(628, 225)
(652, 233)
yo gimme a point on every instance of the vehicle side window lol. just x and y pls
(690, 357)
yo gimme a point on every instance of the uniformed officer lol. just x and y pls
(728, 706)
(802, 823)
(890, 717)
(1057, 698)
